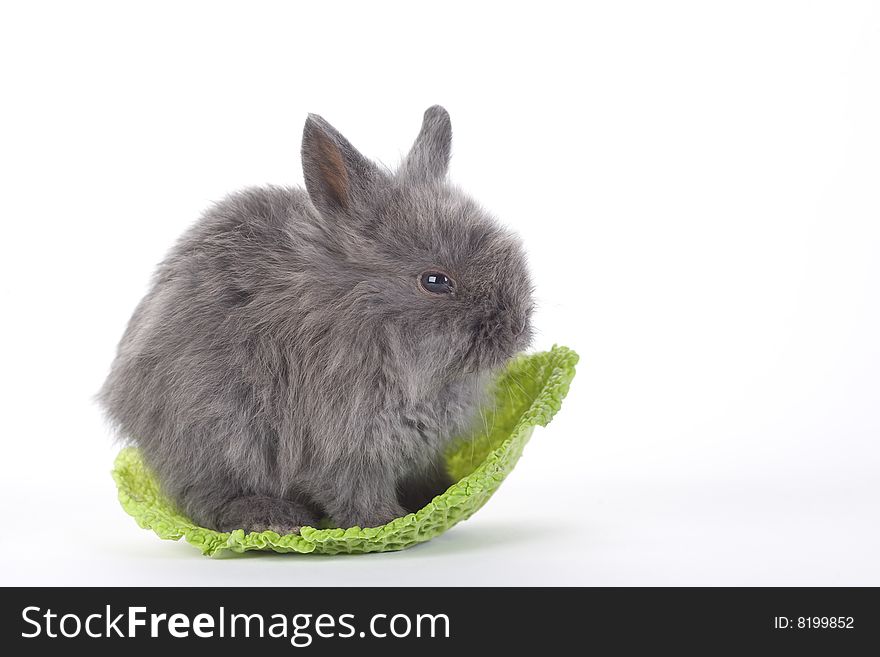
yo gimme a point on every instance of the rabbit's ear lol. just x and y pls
(428, 159)
(337, 176)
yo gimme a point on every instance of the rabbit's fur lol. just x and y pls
(286, 364)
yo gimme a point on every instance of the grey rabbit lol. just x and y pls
(310, 353)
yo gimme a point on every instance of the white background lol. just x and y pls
(697, 185)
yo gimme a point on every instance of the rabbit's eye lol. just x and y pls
(436, 282)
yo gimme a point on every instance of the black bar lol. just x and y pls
(508, 619)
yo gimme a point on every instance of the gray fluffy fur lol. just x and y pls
(286, 365)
